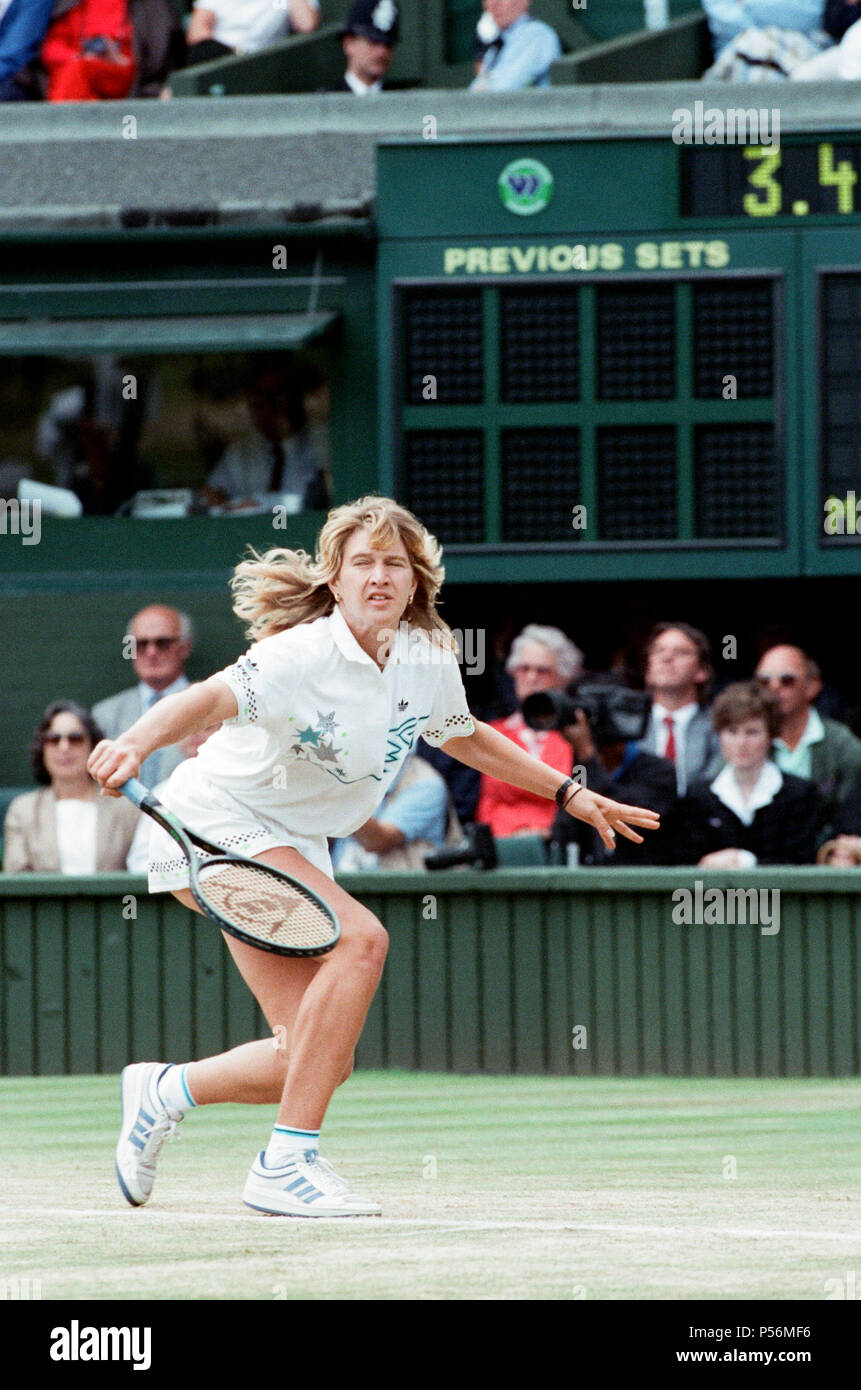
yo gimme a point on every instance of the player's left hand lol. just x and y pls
(609, 816)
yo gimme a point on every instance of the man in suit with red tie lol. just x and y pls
(678, 676)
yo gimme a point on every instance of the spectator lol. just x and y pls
(839, 17)
(821, 749)
(844, 59)
(842, 853)
(159, 45)
(414, 818)
(523, 53)
(623, 770)
(86, 437)
(161, 646)
(678, 677)
(66, 827)
(369, 38)
(541, 658)
(463, 783)
(281, 456)
(138, 856)
(763, 40)
(132, 47)
(752, 813)
(23, 24)
(729, 19)
(219, 28)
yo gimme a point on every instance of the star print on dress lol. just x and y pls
(314, 747)
(327, 754)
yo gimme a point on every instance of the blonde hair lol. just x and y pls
(282, 588)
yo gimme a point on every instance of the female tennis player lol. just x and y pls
(350, 664)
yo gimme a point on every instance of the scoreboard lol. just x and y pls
(625, 357)
(758, 182)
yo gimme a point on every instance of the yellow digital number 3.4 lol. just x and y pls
(769, 201)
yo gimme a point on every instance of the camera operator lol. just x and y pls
(606, 744)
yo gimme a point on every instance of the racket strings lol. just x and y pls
(259, 902)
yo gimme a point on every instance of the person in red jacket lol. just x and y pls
(88, 52)
(541, 658)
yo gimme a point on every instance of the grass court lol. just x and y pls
(492, 1188)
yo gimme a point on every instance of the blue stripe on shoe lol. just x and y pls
(137, 1141)
(300, 1182)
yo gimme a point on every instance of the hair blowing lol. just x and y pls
(282, 588)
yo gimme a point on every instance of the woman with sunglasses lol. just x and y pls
(66, 827)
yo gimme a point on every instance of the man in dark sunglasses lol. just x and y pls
(157, 641)
(809, 745)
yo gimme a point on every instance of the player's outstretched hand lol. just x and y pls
(112, 762)
(609, 816)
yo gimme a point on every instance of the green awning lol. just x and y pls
(176, 333)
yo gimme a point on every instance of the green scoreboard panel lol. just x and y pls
(624, 357)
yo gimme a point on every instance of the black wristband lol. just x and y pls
(561, 791)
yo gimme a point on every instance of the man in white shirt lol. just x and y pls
(218, 28)
(369, 39)
(523, 53)
(678, 672)
(159, 642)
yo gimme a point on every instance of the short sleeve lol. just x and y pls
(449, 716)
(264, 681)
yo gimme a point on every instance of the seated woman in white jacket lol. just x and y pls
(66, 827)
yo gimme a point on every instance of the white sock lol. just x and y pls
(286, 1142)
(172, 1089)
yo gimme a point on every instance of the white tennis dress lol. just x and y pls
(320, 735)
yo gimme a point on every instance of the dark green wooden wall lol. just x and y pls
(496, 982)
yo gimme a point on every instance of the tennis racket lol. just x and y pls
(244, 897)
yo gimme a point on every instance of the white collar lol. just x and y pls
(362, 89)
(767, 785)
(346, 642)
(681, 717)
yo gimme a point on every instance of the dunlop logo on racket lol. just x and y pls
(246, 898)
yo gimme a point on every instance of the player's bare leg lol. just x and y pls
(316, 1008)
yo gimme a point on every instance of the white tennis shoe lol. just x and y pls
(145, 1126)
(306, 1185)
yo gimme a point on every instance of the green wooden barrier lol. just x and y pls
(536, 971)
(681, 52)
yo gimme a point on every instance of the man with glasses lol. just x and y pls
(158, 641)
(823, 750)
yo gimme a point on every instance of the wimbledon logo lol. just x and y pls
(525, 186)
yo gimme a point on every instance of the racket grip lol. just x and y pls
(136, 792)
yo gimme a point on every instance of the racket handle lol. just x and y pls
(136, 792)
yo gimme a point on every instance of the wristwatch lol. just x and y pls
(561, 798)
